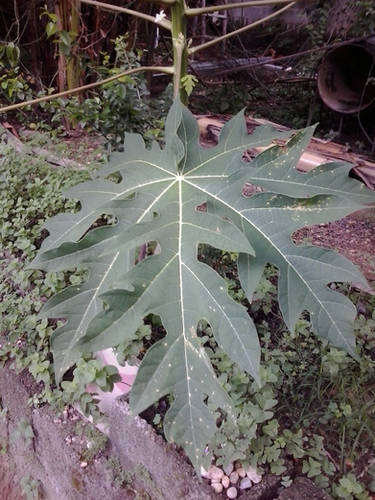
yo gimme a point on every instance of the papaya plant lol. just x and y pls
(156, 199)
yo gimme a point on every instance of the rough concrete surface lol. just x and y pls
(145, 466)
(47, 458)
(170, 476)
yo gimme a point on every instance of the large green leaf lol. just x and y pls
(156, 198)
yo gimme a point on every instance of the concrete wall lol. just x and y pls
(147, 467)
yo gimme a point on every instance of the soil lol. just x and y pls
(352, 236)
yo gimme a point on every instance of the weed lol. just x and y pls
(24, 432)
(31, 488)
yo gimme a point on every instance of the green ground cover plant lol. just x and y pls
(31, 191)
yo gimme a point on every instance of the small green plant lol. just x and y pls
(24, 432)
(94, 442)
(120, 476)
(89, 371)
(31, 488)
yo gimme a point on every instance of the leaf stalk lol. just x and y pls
(237, 5)
(197, 48)
(165, 23)
(163, 69)
(180, 52)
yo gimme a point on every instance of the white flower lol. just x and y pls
(159, 17)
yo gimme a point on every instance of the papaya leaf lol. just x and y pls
(156, 199)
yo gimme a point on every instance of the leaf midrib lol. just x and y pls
(180, 263)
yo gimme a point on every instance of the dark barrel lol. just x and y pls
(346, 77)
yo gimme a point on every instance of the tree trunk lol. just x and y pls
(68, 20)
(73, 69)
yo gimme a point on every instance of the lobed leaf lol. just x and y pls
(156, 198)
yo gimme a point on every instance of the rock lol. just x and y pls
(241, 472)
(225, 481)
(215, 473)
(234, 477)
(253, 475)
(245, 483)
(266, 489)
(217, 487)
(228, 469)
(232, 492)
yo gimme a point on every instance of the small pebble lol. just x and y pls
(241, 472)
(225, 481)
(83, 464)
(228, 469)
(245, 483)
(253, 475)
(217, 487)
(232, 492)
(215, 473)
(234, 477)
